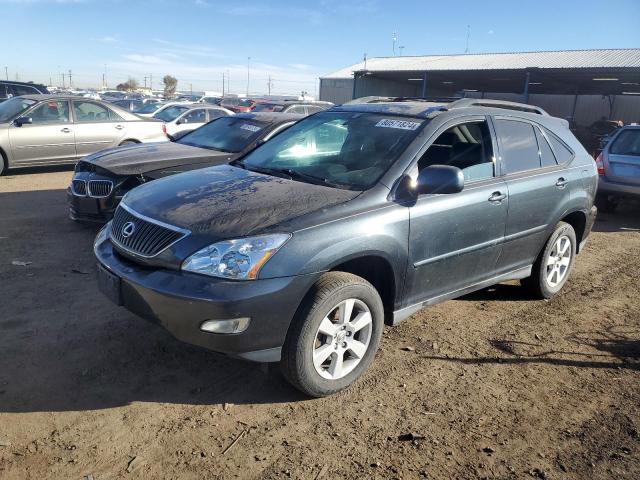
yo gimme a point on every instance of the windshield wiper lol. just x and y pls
(289, 173)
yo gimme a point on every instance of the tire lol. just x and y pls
(543, 283)
(606, 204)
(330, 296)
(3, 164)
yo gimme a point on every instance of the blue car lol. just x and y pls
(619, 168)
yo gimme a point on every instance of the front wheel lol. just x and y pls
(552, 267)
(334, 336)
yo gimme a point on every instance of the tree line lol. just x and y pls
(170, 84)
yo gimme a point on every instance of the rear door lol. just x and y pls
(538, 188)
(455, 239)
(622, 162)
(96, 126)
(49, 139)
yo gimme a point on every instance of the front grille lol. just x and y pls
(100, 188)
(79, 187)
(142, 236)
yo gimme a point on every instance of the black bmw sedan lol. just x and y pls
(102, 179)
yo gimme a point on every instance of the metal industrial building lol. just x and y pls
(580, 85)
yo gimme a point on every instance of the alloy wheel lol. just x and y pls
(558, 261)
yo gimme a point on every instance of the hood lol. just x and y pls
(147, 157)
(229, 202)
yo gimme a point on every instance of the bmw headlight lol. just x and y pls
(239, 259)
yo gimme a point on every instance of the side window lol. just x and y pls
(194, 116)
(297, 109)
(51, 112)
(466, 146)
(213, 114)
(546, 154)
(519, 146)
(87, 112)
(563, 154)
(23, 90)
(313, 109)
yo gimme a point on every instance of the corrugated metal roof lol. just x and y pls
(565, 59)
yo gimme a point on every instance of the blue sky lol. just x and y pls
(293, 42)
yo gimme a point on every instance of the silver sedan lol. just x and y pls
(52, 129)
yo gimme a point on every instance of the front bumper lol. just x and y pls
(612, 188)
(89, 209)
(181, 301)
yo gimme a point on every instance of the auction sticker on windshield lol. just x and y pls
(401, 124)
(251, 128)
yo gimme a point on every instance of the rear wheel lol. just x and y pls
(552, 267)
(335, 335)
(3, 164)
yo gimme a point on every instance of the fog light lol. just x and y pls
(235, 325)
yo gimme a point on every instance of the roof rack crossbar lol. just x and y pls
(485, 102)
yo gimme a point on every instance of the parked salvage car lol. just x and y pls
(237, 105)
(9, 89)
(619, 168)
(180, 119)
(54, 129)
(292, 106)
(102, 179)
(302, 249)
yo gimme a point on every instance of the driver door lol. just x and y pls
(455, 239)
(49, 139)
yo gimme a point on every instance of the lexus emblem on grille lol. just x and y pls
(128, 229)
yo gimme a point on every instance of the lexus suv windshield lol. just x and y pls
(13, 107)
(171, 113)
(340, 149)
(227, 134)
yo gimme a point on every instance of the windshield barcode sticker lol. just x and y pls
(251, 128)
(401, 124)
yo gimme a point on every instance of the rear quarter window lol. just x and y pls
(563, 153)
(547, 158)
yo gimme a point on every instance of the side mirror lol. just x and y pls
(440, 179)
(23, 121)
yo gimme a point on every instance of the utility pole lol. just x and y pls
(223, 84)
(228, 81)
(394, 38)
(145, 83)
(70, 82)
(191, 88)
(269, 84)
(63, 86)
(151, 81)
(466, 50)
(248, 62)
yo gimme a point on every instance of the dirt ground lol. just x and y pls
(496, 385)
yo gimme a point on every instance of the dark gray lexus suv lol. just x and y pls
(301, 250)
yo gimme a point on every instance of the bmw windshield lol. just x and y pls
(348, 150)
(14, 107)
(227, 134)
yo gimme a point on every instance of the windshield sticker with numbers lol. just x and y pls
(251, 128)
(401, 124)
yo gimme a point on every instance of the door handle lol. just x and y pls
(497, 197)
(561, 183)
(66, 130)
(119, 127)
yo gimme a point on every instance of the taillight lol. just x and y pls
(600, 164)
(164, 128)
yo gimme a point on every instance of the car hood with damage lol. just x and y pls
(147, 157)
(228, 202)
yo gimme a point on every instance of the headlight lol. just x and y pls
(239, 259)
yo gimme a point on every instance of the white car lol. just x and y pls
(184, 118)
(150, 109)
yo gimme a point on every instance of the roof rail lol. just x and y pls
(485, 102)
